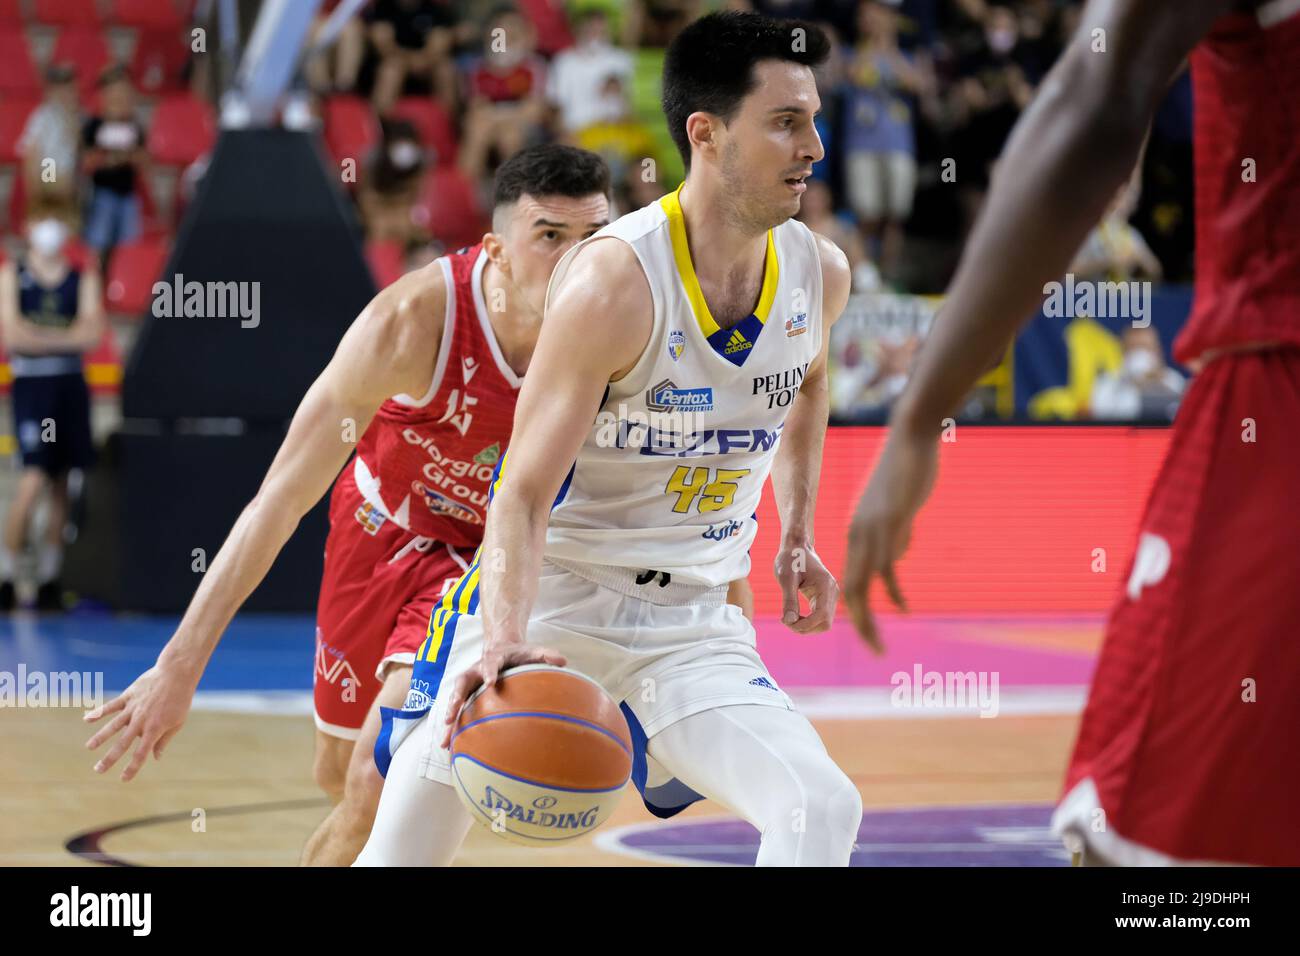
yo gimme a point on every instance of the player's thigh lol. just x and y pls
(766, 763)
(419, 822)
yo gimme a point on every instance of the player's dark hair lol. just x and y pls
(550, 170)
(710, 66)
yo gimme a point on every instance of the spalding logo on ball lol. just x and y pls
(543, 756)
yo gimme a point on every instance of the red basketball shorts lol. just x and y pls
(1189, 747)
(378, 590)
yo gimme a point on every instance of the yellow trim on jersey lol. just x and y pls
(672, 207)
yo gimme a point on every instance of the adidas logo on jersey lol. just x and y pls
(737, 343)
(763, 682)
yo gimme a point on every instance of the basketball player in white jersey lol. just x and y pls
(640, 446)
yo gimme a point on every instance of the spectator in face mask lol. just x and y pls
(1145, 388)
(50, 315)
(392, 183)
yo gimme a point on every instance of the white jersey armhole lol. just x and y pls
(444, 345)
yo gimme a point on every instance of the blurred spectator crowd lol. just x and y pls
(107, 116)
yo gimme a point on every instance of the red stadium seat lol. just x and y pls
(17, 74)
(182, 130)
(132, 270)
(158, 61)
(436, 128)
(351, 129)
(150, 14)
(13, 117)
(386, 261)
(84, 49)
(11, 13)
(66, 13)
(448, 207)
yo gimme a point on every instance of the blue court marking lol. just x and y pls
(931, 836)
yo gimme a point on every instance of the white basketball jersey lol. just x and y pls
(670, 476)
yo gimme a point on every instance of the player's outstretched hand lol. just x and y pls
(497, 656)
(800, 571)
(882, 525)
(153, 709)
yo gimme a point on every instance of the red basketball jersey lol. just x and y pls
(1245, 74)
(426, 463)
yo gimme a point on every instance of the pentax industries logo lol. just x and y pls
(667, 397)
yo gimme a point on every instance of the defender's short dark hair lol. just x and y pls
(710, 66)
(550, 170)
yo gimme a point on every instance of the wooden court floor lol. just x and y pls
(236, 789)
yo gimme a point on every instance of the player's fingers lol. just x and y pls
(532, 654)
(138, 758)
(891, 586)
(112, 707)
(163, 741)
(108, 730)
(823, 610)
(119, 747)
(789, 601)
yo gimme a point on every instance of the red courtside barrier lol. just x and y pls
(1013, 524)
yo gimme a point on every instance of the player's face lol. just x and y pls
(540, 231)
(770, 144)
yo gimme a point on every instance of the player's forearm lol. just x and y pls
(1066, 158)
(798, 463)
(510, 564)
(258, 536)
(24, 336)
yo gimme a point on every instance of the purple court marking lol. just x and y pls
(839, 658)
(932, 836)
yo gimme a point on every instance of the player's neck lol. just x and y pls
(728, 257)
(513, 322)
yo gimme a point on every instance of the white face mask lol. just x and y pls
(404, 154)
(47, 236)
(1139, 363)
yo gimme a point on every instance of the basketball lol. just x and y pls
(542, 757)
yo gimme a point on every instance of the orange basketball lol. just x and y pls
(543, 756)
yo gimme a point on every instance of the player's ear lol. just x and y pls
(496, 252)
(701, 129)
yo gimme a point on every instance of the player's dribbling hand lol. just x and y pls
(497, 656)
(152, 709)
(800, 571)
(882, 525)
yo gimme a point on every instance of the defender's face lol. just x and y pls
(540, 231)
(771, 142)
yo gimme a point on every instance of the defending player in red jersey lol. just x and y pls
(426, 377)
(1189, 748)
